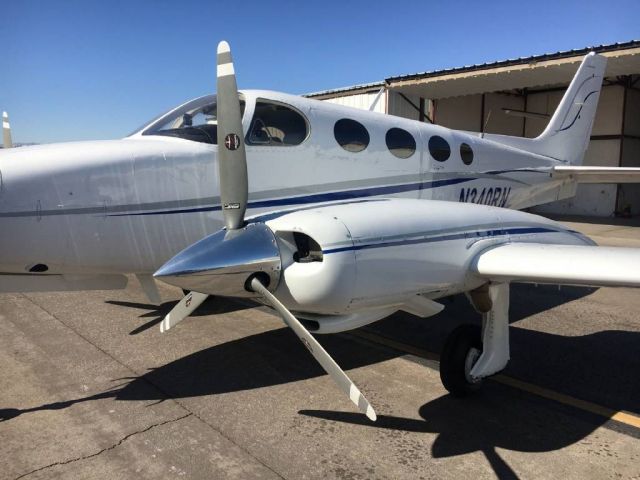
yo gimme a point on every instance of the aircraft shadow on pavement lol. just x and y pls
(600, 367)
(211, 306)
(496, 418)
(265, 359)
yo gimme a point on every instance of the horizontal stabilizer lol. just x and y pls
(582, 174)
(560, 264)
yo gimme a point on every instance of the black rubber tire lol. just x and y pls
(454, 356)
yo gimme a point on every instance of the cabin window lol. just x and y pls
(400, 142)
(439, 148)
(276, 125)
(196, 121)
(466, 153)
(351, 135)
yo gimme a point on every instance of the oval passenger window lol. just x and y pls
(400, 142)
(466, 153)
(439, 148)
(351, 135)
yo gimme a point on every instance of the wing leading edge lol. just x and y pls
(560, 264)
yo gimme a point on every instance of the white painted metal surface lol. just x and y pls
(61, 283)
(182, 310)
(413, 247)
(127, 206)
(495, 334)
(560, 264)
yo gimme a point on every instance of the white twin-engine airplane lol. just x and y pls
(354, 215)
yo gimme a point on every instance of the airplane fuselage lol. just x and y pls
(126, 206)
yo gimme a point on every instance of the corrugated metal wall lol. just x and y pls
(361, 100)
(389, 102)
(407, 107)
(629, 194)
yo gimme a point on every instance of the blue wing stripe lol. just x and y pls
(456, 236)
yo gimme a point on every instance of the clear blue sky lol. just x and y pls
(74, 70)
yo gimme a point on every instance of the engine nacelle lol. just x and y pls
(349, 263)
(358, 256)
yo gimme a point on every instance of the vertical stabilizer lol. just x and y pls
(567, 135)
(6, 131)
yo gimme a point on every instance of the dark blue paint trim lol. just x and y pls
(515, 170)
(579, 110)
(318, 197)
(271, 215)
(213, 208)
(455, 236)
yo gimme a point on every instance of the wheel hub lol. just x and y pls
(470, 361)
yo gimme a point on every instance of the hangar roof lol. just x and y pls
(343, 91)
(525, 72)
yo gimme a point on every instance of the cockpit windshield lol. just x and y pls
(195, 120)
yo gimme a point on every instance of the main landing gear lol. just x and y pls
(470, 353)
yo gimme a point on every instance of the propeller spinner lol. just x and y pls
(243, 260)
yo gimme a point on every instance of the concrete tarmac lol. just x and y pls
(90, 388)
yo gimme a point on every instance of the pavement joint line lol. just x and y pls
(231, 440)
(157, 387)
(619, 416)
(106, 449)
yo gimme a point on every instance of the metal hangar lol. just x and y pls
(517, 97)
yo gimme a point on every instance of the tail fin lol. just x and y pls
(567, 135)
(6, 131)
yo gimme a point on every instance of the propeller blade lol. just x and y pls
(232, 159)
(320, 354)
(182, 310)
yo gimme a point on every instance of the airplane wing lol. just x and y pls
(16, 282)
(583, 174)
(560, 264)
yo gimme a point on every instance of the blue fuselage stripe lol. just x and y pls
(455, 236)
(319, 197)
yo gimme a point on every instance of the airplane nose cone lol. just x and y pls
(221, 263)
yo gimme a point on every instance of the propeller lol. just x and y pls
(182, 310)
(243, 260)
(232, 158)
(232, 168)
(320, 354)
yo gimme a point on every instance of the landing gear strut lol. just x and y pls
(471, 354)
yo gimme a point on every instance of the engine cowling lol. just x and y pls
(373, 254)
